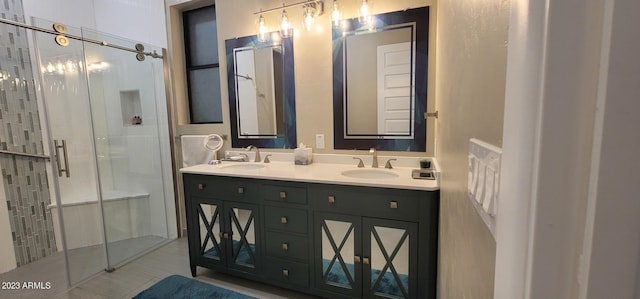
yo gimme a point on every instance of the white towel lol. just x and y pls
(193, 150)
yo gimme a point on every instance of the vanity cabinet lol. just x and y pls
(223, 224)
(333, 241)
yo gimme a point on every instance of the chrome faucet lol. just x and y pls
(250, 147)
(374, 164)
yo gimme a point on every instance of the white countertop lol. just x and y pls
(329, 171)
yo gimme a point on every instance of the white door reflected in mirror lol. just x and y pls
(384, 59)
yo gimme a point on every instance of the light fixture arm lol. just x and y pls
(318, 4)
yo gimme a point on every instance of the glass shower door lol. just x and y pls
(123, 90)
(64, 91)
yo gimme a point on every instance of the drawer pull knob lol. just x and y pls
(223, 235)
(365, 260)
(240, 190)
(285, 246)
(283, 220)
(332, 199)
(283, 195)
(356, 259)
(202, 186)
(393, 204)
(285, 272)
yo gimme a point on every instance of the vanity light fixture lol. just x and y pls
(311, 9)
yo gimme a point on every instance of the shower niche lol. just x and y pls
(131, 107)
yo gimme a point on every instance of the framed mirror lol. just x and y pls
(380, 81)
(261, 91)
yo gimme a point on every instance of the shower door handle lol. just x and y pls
(62, 145)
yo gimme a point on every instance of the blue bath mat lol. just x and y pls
(180, 287)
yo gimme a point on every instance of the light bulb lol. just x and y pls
(262, 36)
(335, 14)
(364, 12)
(285, 26)
(70, 67)
(60, 68)
(309, 17)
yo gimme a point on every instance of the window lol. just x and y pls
(203, 69)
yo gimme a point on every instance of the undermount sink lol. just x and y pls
(370, 173)
(243, 166)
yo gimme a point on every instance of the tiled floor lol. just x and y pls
(132, 278)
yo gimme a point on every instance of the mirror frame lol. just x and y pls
(419, 16)
(289, 138)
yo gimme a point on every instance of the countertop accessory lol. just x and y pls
(214, 143)
(303, 155)
(423, 174)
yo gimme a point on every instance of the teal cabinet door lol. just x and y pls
(206, 232)
(390, 258)
(243, 243)
(338, 253)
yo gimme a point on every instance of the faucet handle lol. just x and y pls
(388, 165)
(266, 158)
(360, 164)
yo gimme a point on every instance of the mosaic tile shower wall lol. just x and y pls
(24, 178)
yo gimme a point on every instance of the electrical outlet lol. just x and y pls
(319, 140)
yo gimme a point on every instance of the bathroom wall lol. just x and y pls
(470, 88)
(313, 63)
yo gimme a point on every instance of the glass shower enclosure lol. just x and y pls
(108, 140)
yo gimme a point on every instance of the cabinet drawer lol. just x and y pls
(285, 219)
(287, 246)
(374, 202)
(284, 193)
(221, 188)
(287, 271)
